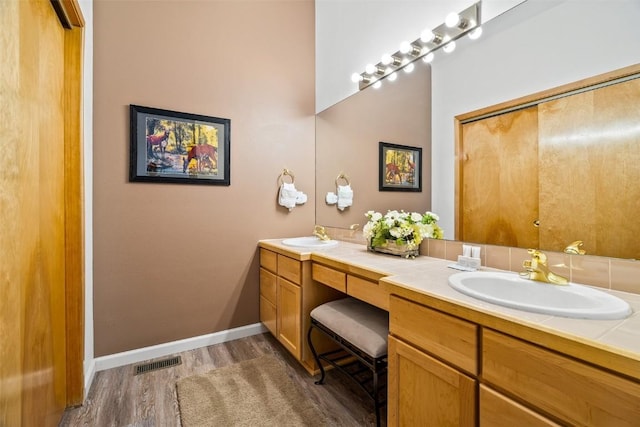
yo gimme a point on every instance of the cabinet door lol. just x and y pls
(497, 410)
(426, 392)
(288, 315)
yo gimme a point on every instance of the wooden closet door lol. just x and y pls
(499, 180)
(34, 228)
(589, 147)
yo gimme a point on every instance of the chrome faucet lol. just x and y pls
(320, 233)
(536, 269)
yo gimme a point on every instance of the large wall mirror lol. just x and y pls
(519, 55)
(557, 167)
(347, 142)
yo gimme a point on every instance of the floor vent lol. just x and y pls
(158, 364)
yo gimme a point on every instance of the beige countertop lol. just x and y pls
(611, 344)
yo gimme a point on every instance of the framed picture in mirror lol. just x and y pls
(400, 168)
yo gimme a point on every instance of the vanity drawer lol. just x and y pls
(268, 260)
(289, 268)
(574, 392)
(368, 291)
(268, 285)
(330, 277)
(444, 336)
(497, 410)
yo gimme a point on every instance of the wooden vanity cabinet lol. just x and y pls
(287, 296)
(280, 302)
(432, 363)
(436, 378)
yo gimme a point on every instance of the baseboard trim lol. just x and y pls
(89, 374)
(141, 354)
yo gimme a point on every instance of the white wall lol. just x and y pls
(352, 33)
(539, 45)
(87, 98)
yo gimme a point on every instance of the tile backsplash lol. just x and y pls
(610, 273)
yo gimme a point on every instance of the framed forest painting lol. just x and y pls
(400, 168)
(180, 148)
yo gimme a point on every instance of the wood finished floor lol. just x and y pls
(118, 398)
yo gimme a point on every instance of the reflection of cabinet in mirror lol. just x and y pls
(571, 162)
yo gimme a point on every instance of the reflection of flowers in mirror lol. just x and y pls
(404, 228)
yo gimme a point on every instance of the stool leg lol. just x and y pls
(315, 356)
(375, 397)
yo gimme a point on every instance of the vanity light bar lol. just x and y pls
(443, 35)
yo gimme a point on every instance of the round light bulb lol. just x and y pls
(355, 77)
(386, 59)
(377, 84)
(452, 20)
(409, 68)
(405, 47)
(428, 57)
(392, 77)
(427, 36)
(370, 69)
(449, 47)
(475, 33)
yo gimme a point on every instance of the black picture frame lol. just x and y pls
(179, 148)
(400, 168)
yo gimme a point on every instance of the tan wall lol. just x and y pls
(177, 261)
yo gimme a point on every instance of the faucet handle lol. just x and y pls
(320, 232)
(537, 255)
(575, 248)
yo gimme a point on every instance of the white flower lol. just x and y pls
(367, 230)
(396, 232)
(432, 215)
(392, 215)
(416, 217)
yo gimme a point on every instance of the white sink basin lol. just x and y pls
(310, 242)
(511, 290)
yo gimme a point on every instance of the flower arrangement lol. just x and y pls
(404, 228)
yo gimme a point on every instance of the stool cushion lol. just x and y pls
(362, 324)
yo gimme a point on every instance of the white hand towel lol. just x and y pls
(301, 198)
(331, 198)
(345, 196)
(287, 196)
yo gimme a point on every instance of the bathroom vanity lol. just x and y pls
(287, 296)
(455, 360)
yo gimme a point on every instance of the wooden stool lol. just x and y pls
(361, 331)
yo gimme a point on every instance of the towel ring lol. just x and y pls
(343, 177)
(286, 172)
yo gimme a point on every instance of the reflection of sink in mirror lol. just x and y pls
(311, 242)
(511, 290)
